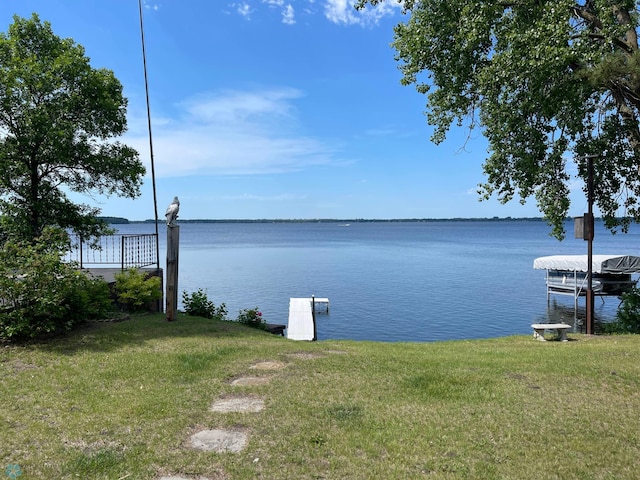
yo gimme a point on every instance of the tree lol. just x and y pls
(57, 115)
(544, 80)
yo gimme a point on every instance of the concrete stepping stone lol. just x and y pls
(219, 441)
(249, 381)
(174, 477)
(305, 355)
(237, 404)
(268, 365)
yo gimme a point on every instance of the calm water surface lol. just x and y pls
(388, 281)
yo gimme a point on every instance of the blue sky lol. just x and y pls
(275, 109)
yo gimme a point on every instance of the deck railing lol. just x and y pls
(125, 250)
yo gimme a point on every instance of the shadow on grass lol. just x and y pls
(107, 336)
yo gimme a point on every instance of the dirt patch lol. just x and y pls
(249, 381)
(268, 365)
(219, 441)
(19, 366)
(90, 447)
(237, 404)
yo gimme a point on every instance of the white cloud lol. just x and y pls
(235, 133)
(288, 15)
(244, 9)
(336, 11)
(150, 6)
(233, 106)
(343, 11)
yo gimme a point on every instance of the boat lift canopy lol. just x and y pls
(566, 274)
(616, 264)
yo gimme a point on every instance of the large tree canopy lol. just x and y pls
(549, 82)
(57, 115)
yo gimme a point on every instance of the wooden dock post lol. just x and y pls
(313, 314)
(173, 248)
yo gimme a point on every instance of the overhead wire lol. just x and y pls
(153, 171)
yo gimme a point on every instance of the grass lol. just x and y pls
(116, 401)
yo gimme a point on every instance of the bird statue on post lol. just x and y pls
(172, 212)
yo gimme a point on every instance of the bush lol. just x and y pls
(252, 317)
(40, 294)
(628, 314)
(198, 305)
(96, 299)
(135, 291)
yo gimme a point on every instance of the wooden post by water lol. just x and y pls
(313, 315)
(173, 247)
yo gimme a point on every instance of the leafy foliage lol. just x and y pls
(39, 294)
(543, 80)
(252, 317)
(136, 291)
(628, 316)
(198, 304)
(57, 114)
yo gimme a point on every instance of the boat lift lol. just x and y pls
(567, 274)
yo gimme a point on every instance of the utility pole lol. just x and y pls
(589, 226)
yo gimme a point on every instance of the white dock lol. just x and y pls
(300, 326)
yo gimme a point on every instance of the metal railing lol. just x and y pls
(125, 250)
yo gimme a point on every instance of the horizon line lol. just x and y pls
(330, 220)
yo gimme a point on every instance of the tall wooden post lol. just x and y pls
(313, 315)
(173, 247)
(591, 226)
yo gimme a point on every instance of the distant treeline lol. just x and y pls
(115, 220)
(353, 220)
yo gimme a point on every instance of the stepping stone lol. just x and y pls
(219, 441)
(269, 365)
(247, 381)
(305, 355)
(238, 404)
(173, 477)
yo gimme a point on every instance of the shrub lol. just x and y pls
(628, 314)
(135, 291)
(252, 317)
(40, 294)
(198, 305)
(98, 302)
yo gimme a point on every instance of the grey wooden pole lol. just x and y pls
(173, 248)
(313, 315)
(590, 296)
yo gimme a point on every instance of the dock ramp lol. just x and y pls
(301, 314)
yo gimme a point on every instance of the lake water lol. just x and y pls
(412, 281)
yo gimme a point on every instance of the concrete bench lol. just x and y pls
(561, 328)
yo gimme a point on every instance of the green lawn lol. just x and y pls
(120, 401)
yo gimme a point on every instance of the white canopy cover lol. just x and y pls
(600, 263)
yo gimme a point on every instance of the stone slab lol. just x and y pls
(219, 441)
(237, 404)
